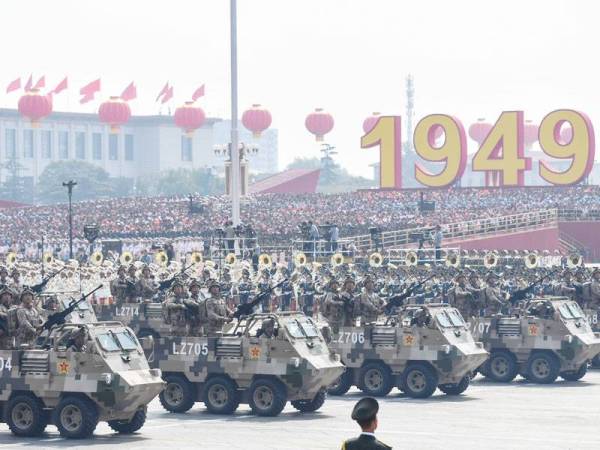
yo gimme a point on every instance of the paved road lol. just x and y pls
(489, 416)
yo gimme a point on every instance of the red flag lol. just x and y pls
(163, 91)
(14, 85)
(60, 87)
(29, 83)
(168, 95)
(40, 83)
(86, 98)
(129, 93)
(198, 93)
(90, 88)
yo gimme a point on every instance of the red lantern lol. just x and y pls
(370, 122)
(256, 119)
(530, 133)
(189, 117)
(114, 112)
(479, 130)
(319, 123)
(35, 106)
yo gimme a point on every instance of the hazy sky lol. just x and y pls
(469, 58)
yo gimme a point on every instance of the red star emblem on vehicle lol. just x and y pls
(533, 330)
(255, 352)
(63, 367)
(408, 339)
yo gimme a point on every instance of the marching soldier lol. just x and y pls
(175, 310)
(216, 309)
(29, 320)
(365, 414)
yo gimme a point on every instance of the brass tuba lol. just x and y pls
(452, 259)
(97, 258)
(264, 260)
(490, 260)
(161, 258)
(11, 259)
(411, 258)
(48, 258)
(126, 258)
(375, 260)
(337, 259)
(196, 258)
(574, 260)
(230, 259)
(531, 260)
(300, 259)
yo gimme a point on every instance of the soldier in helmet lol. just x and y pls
(174, 309)
(595, 289)
(369, 304)
(460, 297)
(216, 309)
(29, 320)
(197, 308)
(119, 286)
(5, 305)
(267, 329)
(334, 309)
(365, 414)
(494, 300)
(146, 286)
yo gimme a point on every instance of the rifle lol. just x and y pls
(166, 284)
(38, 288)
(58, 318)
(398, 300)
(247, 308)
(521, 294)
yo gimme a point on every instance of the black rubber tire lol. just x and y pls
(575, 375)
(88, 417)
(502, 367)
(129, 426)
(228, 388)
(32, 405)
(427, 379)
(375, 379)
(596, 361)
(547, 363)
(260, 390)
(457, 388)
(187, 394)
(310, 405)
(344, 383)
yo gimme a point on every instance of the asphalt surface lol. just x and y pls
(518, 415)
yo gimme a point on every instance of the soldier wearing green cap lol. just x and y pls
(365, 414)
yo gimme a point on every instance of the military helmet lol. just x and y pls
(195, 282)
(213, 283)
(26, 290)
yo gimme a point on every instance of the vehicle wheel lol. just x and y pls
(575, 375)
(419, 380)
(76, 417)
(310, 405)
(456, 388)
(179, 394)
(375, 379)
(542, 368)
(501, 367)
(220, 396)
(267, 397)
(129, 426)
(596, 361)
(25, 416)
(342, 384)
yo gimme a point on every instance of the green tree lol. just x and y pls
(305, 163)
(92, 182)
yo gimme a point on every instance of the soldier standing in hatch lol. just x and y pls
(6, 340)
(197, 306)
(494, 299)
(119, 286)
(369, 304)
(365, 414)
(146, 286)
(334, 309)
(174, 309)
(28, 319)
(461, 298)
(216, 309)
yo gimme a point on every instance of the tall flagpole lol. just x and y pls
(235, 156)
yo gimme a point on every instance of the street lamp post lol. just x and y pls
(235, 159)
(70, 185)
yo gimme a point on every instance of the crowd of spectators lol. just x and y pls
(275, 217)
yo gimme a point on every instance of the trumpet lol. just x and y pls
(375, 260)
(48, 258)
(411, 258)
(161, 258)
(126, 258)
(336, 259)
(490, 260)
(230, 259)
(196, 258)
(97, 258)
(300, 259)
(574, 260)
(531, 260)
(265, 260)
(452, 260)
(11, 259)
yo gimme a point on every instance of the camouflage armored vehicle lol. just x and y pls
(76, 376)
(247, 364)
(550, 338)
(145, 319)
(423, 348)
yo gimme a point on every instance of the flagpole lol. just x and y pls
(235, 158)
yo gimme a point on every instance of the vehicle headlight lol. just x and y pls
(295, 362)
(107, 377)
(569, 338)
(156, 373)
(446, 349)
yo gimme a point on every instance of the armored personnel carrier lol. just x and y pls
(550, 338)
(145, 319)
(422, 348)
(247, 363)
(75, 376)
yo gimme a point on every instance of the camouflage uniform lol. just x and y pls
(334, 309)
(119, 287)
(175, 312)
(197, 305)
(369, 306)
(461, 298)
(217, 313)
(29, 321)
(493, 298)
